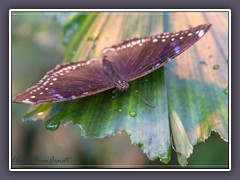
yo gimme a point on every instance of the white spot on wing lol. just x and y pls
(26, 101)
(85, 93)
(108, 49)
(177, 49)
(73, 97)
(155, 40)
(58, 96)
(90, 61)
(201, 33)
(33, 97)
(157, 64)
(189, 34)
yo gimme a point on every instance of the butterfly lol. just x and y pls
(120, 65)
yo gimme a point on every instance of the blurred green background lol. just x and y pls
(37, 46)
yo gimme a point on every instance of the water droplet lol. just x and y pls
(200, 140)
(52, 125)
(120, 110)
(216, 67)
(226, 90)
(132, 113)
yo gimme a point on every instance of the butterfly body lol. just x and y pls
(114, 74)
(121, 64)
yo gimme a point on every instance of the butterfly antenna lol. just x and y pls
(143, 99)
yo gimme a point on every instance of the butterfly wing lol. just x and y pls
(67, 81)
(140, 56)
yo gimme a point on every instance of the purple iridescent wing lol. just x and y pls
(68, 81)
(140, 56)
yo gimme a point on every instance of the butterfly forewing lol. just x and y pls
(68, 81)
(140, 56)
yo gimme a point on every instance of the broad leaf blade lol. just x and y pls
(191, 87)
(101, 115)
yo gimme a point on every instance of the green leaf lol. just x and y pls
(197, 91)
(181, 141)
(197, 103)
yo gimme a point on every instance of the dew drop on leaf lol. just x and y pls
(200, 140)
(132, 113)
(120, 110)
(226, 90)
(216, 67)
(52, 126)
